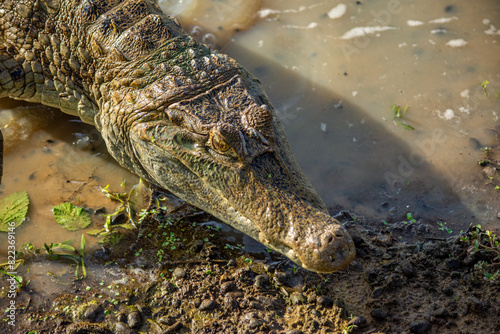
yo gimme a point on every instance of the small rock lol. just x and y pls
(441, 313)
(207, 305)
(134, 320)
(325, 301)
(167, 320)
(297, 298)
(448, 291)
(227, 286)
(230, 303)
(256, 305)
(469, 260)
(122, 328)
(121, 317)
(176, 303)
(359, 322)
(261, 280)
(455, 274)
(91, 312)
(476, 305)
(419, 326)
(453, 263)
(451, 324)
(179, 273)
(408, 269)
(377, 292)
(254, 323)
(379, 314)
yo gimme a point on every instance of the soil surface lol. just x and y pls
(180, 273)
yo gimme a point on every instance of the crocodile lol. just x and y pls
(174, 112)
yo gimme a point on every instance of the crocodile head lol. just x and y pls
(225, 151)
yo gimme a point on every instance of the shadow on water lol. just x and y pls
(354, 162)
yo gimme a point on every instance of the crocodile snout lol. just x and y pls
(328, 250)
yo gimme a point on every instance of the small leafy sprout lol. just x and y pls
(443, 227)
(64, 252)
(398, 114)
(484, 84)
(410, 218)
(17, 278)
(396, 110)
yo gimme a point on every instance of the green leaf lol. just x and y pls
(139, 197)
(71, 217)
(95, 231)
(13, 209)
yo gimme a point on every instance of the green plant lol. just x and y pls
(398, 113)
(484, 84)
(484, 241)
(410, 218)
(348, 329)
(65, 252)
(443, 227)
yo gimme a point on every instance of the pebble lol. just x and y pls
(207, 305)
(419, 326)
(121, 317)
(227, 286)
(325, 301)
(254, 323)
(230, 303)
(261, 280)
(176, 303)
(134, 320)
(408, 270)
(379, 314)
(91, 312)
(167, 320)
(448, 291)
(179, 273)
(377, 292)
(359, 322)
(476, 305)
(453, 263)
(441, 313)
(122, 328)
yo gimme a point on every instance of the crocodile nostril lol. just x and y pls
(330, 239)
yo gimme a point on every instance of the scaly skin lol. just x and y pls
(173, 112)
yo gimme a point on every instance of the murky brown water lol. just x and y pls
(334, 94)
(334, 69)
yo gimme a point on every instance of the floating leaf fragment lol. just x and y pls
(13, 209)
(71, 217)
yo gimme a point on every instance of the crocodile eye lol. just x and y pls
(219, 143)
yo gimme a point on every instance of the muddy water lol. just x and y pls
(333, 70)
